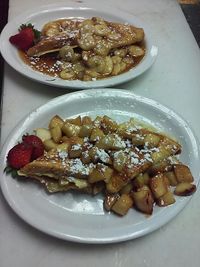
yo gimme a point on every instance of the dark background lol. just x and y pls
(3, 20)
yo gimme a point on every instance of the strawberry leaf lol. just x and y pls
(11, 171)
(14, 173)
(24, 26)
(8, 169)
(37, 34)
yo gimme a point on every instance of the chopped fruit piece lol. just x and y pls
(185, 189)
(166, 199)
(110, 200)
(49, 144)
(158, 185)
(122, 205)
(56, 121)
(183, 173)
(143, 199)
(172, 178)
(43, 134)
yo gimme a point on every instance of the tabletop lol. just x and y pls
(174, 81)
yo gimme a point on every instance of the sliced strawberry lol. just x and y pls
(24, 39)
(19, 155)
(36, 143)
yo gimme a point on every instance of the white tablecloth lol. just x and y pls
(174, 80)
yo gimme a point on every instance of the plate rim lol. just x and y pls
(26, 71)
(127, 236)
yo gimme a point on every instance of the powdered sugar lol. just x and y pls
(76, 147)
(77, 167)
(63, 155)
(102, 155)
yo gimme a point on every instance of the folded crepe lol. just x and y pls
(58, 173)
(57, 34)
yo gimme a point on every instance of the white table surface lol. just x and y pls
(174, 80)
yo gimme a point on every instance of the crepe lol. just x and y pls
(76, 33)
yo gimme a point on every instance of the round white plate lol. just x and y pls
(78, 217)
(41, 15)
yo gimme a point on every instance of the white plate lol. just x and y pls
(81, 218)
(41, 15)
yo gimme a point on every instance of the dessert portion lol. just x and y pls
(89, 49)
(131, 164)
(90, 34)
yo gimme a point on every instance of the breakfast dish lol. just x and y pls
(75, 49)
(71, 214)
(131, 165)
(78, 48)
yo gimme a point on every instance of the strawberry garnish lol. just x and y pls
(36, 143)
(23, 153)
(19, 155)
(26, 37)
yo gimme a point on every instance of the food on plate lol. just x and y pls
(84, 49)
(132, 164)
